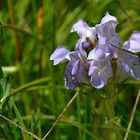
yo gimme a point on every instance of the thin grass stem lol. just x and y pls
(60, 116)
(23, 129)
(132, 116)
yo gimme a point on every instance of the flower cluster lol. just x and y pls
(91, 60)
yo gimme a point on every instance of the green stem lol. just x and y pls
(110, 102)
(79, 117)
(62, 113)
(132, 116)
(16, 29)
(30, 84)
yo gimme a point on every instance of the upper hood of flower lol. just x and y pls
(108, 18)
(107, 26)
(83, 30)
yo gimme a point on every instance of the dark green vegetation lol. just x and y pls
(32, 90)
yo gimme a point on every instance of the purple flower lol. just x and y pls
(97, 47)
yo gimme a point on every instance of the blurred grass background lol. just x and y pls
(30, 31)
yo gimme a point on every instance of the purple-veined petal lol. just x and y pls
(124, 65)
(72, 56)
(75, 73)
(130, 64)
(71, 81)
(97, 54)
(107, 26)
(96, 80)
(82, 74)
(76, 67)
(92, 69)
(110, 45)
(99, 72)
(102, 40)
(99, 77)
(108, 70)
(115, 40)
(136, 71)
(59, 55)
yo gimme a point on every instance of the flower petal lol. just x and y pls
(108, 18)
(73, 56)
(75, 67)
(107, 26)
(92, 69)
(83, 30)
(71, 81)
(136, 36)
(78, 25)
(99, 77)
(136, 71)
(59, 55)
(96, 79)
(110, 45)
(97, 54)
(133, 44)
(130, 64)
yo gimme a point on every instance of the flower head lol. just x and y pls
(91, 60)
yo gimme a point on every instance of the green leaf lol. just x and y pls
(5, 90)
(1, 72)
(21, 123)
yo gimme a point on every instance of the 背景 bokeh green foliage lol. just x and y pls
(30, 31)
